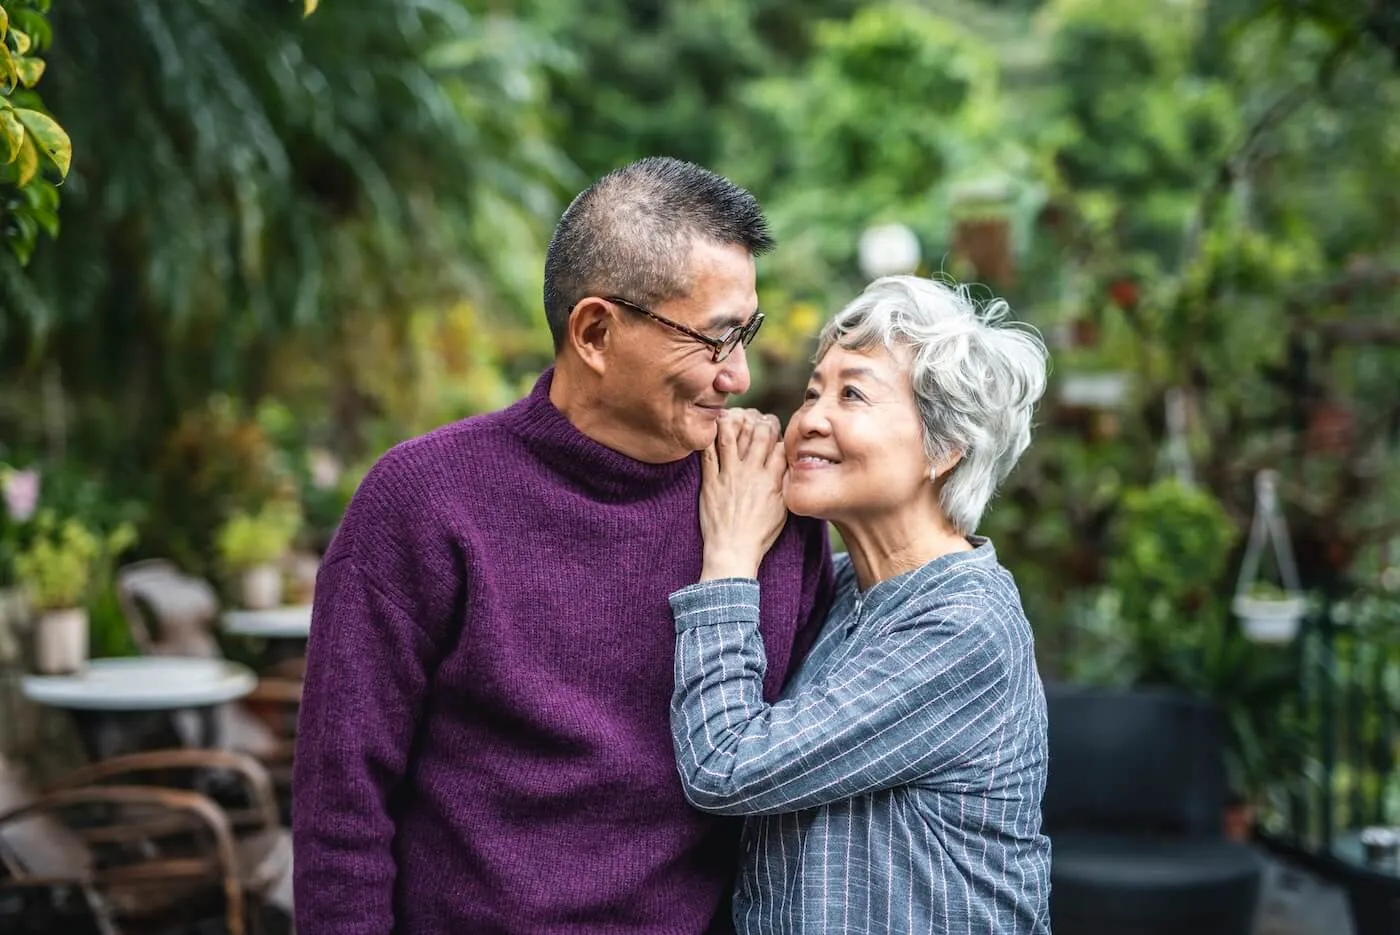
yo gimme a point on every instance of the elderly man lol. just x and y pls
(484, 742)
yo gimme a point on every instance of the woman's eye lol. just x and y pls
(810, 395)
(851, 392)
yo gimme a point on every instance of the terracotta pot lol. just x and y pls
(1238, 821)
(61, 641)
(260, 587)
(985, 243)
(1329, 430)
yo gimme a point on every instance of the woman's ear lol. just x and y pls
(590, 332)
(941, 468)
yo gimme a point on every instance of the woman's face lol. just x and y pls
(855, 449)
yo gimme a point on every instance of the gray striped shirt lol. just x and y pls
(896, 785)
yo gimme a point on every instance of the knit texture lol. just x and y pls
(484, 742)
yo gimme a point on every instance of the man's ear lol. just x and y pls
(591, 332)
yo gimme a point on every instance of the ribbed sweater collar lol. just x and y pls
(584, 463)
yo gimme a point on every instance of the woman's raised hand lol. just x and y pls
(741, 496)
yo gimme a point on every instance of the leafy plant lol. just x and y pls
(247, 539)
(1169, 545)
(65, 559)
(31, 141)
(1268, 591)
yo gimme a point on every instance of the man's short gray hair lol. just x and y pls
(630, 234)
(976, 376)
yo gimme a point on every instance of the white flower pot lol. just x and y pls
(300, 578)
(1095, 390)
(261, 587)
(61, 641)
(1269, 620)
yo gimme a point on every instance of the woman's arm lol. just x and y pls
(918, 701)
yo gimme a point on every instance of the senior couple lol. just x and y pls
(588, 664)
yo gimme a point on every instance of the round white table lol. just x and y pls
(287, 623)
(116, 701)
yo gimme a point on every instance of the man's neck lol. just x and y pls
(575, 392)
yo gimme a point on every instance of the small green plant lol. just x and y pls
(247, 539)
(65, 560)
(1268, 591)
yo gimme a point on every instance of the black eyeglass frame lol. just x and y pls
(720, 347)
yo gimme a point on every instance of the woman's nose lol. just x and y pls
(811, 419)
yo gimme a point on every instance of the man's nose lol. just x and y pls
(733, 377)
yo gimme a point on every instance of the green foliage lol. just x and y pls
(663, 76)
(889, 115)
(247, 540)
(291, 171)
(261, 180)
(35, 152)
(63, 559)
(1168, 548)
(219, 461)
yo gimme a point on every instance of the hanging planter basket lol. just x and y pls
(1268, 614)
(1269, 619)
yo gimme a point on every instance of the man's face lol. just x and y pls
(664, 389)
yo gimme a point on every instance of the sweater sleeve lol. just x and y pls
(386, 597)
(912, 705)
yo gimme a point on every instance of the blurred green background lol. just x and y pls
(287, 242)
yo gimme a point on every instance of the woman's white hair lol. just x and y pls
(976, 376)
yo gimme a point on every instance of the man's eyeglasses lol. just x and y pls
(721, 346)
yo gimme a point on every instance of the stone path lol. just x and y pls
(1296, 902)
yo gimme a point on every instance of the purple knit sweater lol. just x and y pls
(484, 743)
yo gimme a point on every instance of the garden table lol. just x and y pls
(285, 623)
(119, 704)
(285, 629)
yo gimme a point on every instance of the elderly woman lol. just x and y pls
(896, 783)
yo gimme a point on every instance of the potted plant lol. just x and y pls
(251, 547)
(57, 570)
(1268, 613)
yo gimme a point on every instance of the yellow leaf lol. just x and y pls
(30, 70)
(48, 136)
(309, 7)
(11, 135)
(22, 41)
(28, 161)
(4, 22)
(9, 74)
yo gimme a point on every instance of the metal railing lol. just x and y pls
(1347, 718)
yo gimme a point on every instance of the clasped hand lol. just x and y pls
(741, 496)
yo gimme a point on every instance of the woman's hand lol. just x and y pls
(741, 497)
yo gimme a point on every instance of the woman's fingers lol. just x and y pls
(777, 456)
(747, 435)
(726, 439)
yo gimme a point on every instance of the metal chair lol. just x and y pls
(1133, 807)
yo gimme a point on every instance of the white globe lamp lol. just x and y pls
(888, 250)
